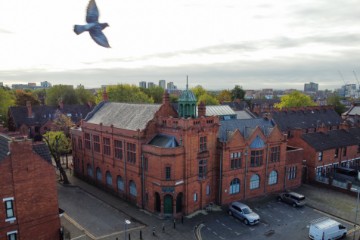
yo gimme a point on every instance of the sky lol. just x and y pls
(218, 44)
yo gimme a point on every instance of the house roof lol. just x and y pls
(236, 105)
(42, 113)
(4, 146)
(303, 119)
(354, 110)
(244, 115)
(129, 116)
(245, 126)
(43, 150)
(164, 141)
(219, 110)
(330, 140)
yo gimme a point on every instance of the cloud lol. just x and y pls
(4, 31)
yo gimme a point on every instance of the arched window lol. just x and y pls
(120, 183)
(273, 177)
(254, 181)
(208, 190)
(98, 174)
(89, 170)
(108, 178)
(132, 187)
(235, 186)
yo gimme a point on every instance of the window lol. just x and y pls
(202, 169)
(203, 144)
(273, 178)
(292, 172)
(120, 183)
(96, 140)
(195, 197)
(90, 170)
(146, 164)
(98, 174)
(132, 186)
(79, 144)
(131, 152)
(207, 190)
(256, 158)
(344, 151)
(87, 141)
(108, 179)
(118, 153)
(254, 181)
(106, 146)
(275, 154)
(358, 149)
(235, 186)
(235, 159)
(167, 173)
(336, 153)
(12, 235)
(320, 156)
(9, 209)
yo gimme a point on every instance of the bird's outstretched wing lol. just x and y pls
(92, 12)
(99, 37)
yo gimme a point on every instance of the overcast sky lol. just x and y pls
(218, 43)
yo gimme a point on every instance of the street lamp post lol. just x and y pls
(125, 223)
(357, 208)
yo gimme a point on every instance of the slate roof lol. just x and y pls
(244, 115)
(218, 110)
(123, 115)
(330, 140)
(43, 113)
(164, 141)
(305, 119)
(236, 106)
(43, 150)
(354, 110)
(245, 126)
(4, 146)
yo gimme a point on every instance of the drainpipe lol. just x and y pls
(266, 167)
(246, 153)
(125, 178)
(220, 176)
(142, 182)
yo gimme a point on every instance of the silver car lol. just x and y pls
(244, 213)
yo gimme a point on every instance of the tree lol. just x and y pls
(295, 99)
(224, 96)
(84, 96)
(237, 93)
(58, 144)
(334, 100)
(198, 91)
(7, 99)
(40, 94)
(125, 93)
(155, 92)
(63, 123)
(65, 93)
(208, 99)
(21, 97)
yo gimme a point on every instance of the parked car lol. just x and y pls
(326, 228)
(293, 198)
(244, 213)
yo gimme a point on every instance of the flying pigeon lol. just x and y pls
(93, 26)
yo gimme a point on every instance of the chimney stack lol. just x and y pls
(201, 109)
(105, 95)
(29, 109)
(166, 98)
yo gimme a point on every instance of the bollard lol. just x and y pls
(182, 219)
(153, 232)
(174, 223)
(129, 237)
(163, 227)
(140, 235)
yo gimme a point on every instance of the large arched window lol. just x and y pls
(273, 177)
(108, 179)
(98, 174)
(254, 181)
(235, 186)
(120, 183)
(132, 187)
(89, 170)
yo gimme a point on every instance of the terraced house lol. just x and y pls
(174, 162)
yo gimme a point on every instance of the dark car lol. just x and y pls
(293, 198)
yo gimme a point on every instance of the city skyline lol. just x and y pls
(217, 44)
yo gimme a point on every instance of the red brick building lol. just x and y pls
(29, 208)
(176, 162)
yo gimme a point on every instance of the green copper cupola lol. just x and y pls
(187, 103)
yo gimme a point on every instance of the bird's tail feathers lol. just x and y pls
(78, 29)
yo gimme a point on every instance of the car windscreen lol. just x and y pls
(247, 210)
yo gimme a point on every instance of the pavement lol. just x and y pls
(330, 202)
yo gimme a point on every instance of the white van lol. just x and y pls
(326, 229)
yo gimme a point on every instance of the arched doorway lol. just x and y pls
(179, 200)
(168, 204)
(157, 202)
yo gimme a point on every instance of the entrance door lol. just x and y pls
(157, 202)
(168, 204)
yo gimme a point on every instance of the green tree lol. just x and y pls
(155, 92)
(66, 93)
(125, 93)
(40, 94)
(7, 99)
(58, 144)
(237, 93)
(224, 96)
(21, 97)
(198, 91)
(334, 100)
(208, 99)
(84, 96)
(295, 99)
(63, 123)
